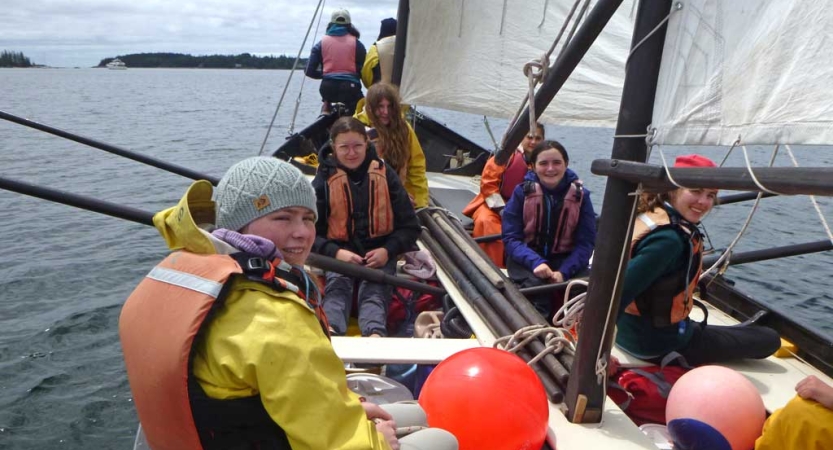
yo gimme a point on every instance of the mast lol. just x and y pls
(402, 15)
(585, 392)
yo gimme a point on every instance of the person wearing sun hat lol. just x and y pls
(661, 277)
(337, 61)
(224, 343)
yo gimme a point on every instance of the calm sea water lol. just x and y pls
(64, 272)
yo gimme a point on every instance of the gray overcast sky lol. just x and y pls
(68, 33)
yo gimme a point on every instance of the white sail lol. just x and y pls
(761, 71)
(468, 56)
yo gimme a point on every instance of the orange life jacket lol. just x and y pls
(158, 327)
(535, 222)
(340, 224)
(668, 300)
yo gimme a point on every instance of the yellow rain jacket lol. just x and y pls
(800, 425)
(416, 183)
(269, 343)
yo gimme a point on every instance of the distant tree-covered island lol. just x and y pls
(14, 59)
(179, 60)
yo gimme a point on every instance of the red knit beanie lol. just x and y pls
(693, 161)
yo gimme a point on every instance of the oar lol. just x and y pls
(146, 218)
(179, 170)
(772, 253)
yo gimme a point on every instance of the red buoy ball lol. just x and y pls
(487, 398)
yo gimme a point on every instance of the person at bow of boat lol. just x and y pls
(497, 183)
(804, 423)
(369, 221)
(661, 277)
(397, 142)
(378, 65)
(224, 342)
(549, 226)
(337, 61)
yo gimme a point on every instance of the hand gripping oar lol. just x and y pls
(146, 218)
(173, 168)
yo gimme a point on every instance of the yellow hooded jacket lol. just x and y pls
(269, 343)
(800, 425)
(416, 183)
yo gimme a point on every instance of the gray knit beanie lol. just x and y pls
(258, 186)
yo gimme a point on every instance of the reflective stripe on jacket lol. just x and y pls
(339, 55)
(538, 213)
(340, 224)
(668, 300)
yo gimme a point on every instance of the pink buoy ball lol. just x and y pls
(714, 408)
(487, 398)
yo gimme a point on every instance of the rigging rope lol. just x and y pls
(491, 135)
(813, 199)
(286, 86)
(752, 173)
(543, 64)
(304, 79)
(723, 262)
(556, 340)
(601, 359)
(676, 8)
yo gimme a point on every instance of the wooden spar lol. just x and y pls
(772, 253)
(146, 218)
(742, 197)
(510, 291)
(78, 201)
(475, 258)
(585, 390)
(593, 25)
(403, 14)
(783, 180)
(498, 301)
(490, 317)
(173, 168)
(369, 274)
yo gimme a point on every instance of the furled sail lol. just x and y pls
(469, 56)
(758, 71)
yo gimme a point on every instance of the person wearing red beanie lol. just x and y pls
(662, 274)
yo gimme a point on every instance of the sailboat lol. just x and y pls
(595, 90)
(682, 81)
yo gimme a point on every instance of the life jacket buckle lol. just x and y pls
(259, 267)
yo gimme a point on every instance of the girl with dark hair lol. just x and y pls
(397, 143)
(662, 275)
(549, 226)
(367, 220)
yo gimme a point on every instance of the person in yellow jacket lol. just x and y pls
(496, 186)
(397, 142)
(255, 367)
(805, 423)
(378, 64)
